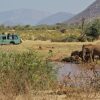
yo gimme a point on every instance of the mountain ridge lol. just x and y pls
(56, 18)
(22, 16)
(90, 13)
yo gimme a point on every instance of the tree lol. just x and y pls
(93, 29)
(82, 26)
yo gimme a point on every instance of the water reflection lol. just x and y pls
(75, 70)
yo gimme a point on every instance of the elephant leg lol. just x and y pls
(84, 56)
(91, 56)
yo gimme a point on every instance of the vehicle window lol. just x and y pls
(9, 37)
(12, 37)
(4, 37)
(0, 37)
(15, 37)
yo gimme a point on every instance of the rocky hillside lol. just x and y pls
(92, 12)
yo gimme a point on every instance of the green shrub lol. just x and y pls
(93, 29)
(72, 38)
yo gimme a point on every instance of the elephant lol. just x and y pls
(96, 52)
(87, 50)
(76, 56)
(91, 51)
(77, 53)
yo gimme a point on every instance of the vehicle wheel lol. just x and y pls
(12, 43)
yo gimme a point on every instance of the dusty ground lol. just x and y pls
(55, 50)
(73, 96)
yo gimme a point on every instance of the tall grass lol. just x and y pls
(20, 73)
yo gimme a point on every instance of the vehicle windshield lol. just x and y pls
(12, 37)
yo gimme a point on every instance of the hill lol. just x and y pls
(56, 18)
(90, 13)
(22, 16)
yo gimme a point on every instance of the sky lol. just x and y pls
(71, 6)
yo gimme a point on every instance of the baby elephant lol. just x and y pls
(76, 56)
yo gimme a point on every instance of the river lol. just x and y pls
(75, 70)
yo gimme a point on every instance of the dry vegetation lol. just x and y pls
(26, 71)
(56, 50)
(16, 60)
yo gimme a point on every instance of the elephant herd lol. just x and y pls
(89, 53)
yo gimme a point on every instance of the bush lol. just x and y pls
(93, 29)
(22, 72)
(72, 38)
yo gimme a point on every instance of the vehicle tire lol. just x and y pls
(12, 43)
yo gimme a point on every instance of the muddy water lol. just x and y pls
(74, 70)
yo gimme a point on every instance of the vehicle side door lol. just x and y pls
(4, 39)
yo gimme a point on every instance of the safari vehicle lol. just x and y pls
(9, 39)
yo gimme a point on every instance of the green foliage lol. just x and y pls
(93, 29)
(55, 33)
(72, 38)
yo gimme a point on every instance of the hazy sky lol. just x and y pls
(73, 6)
